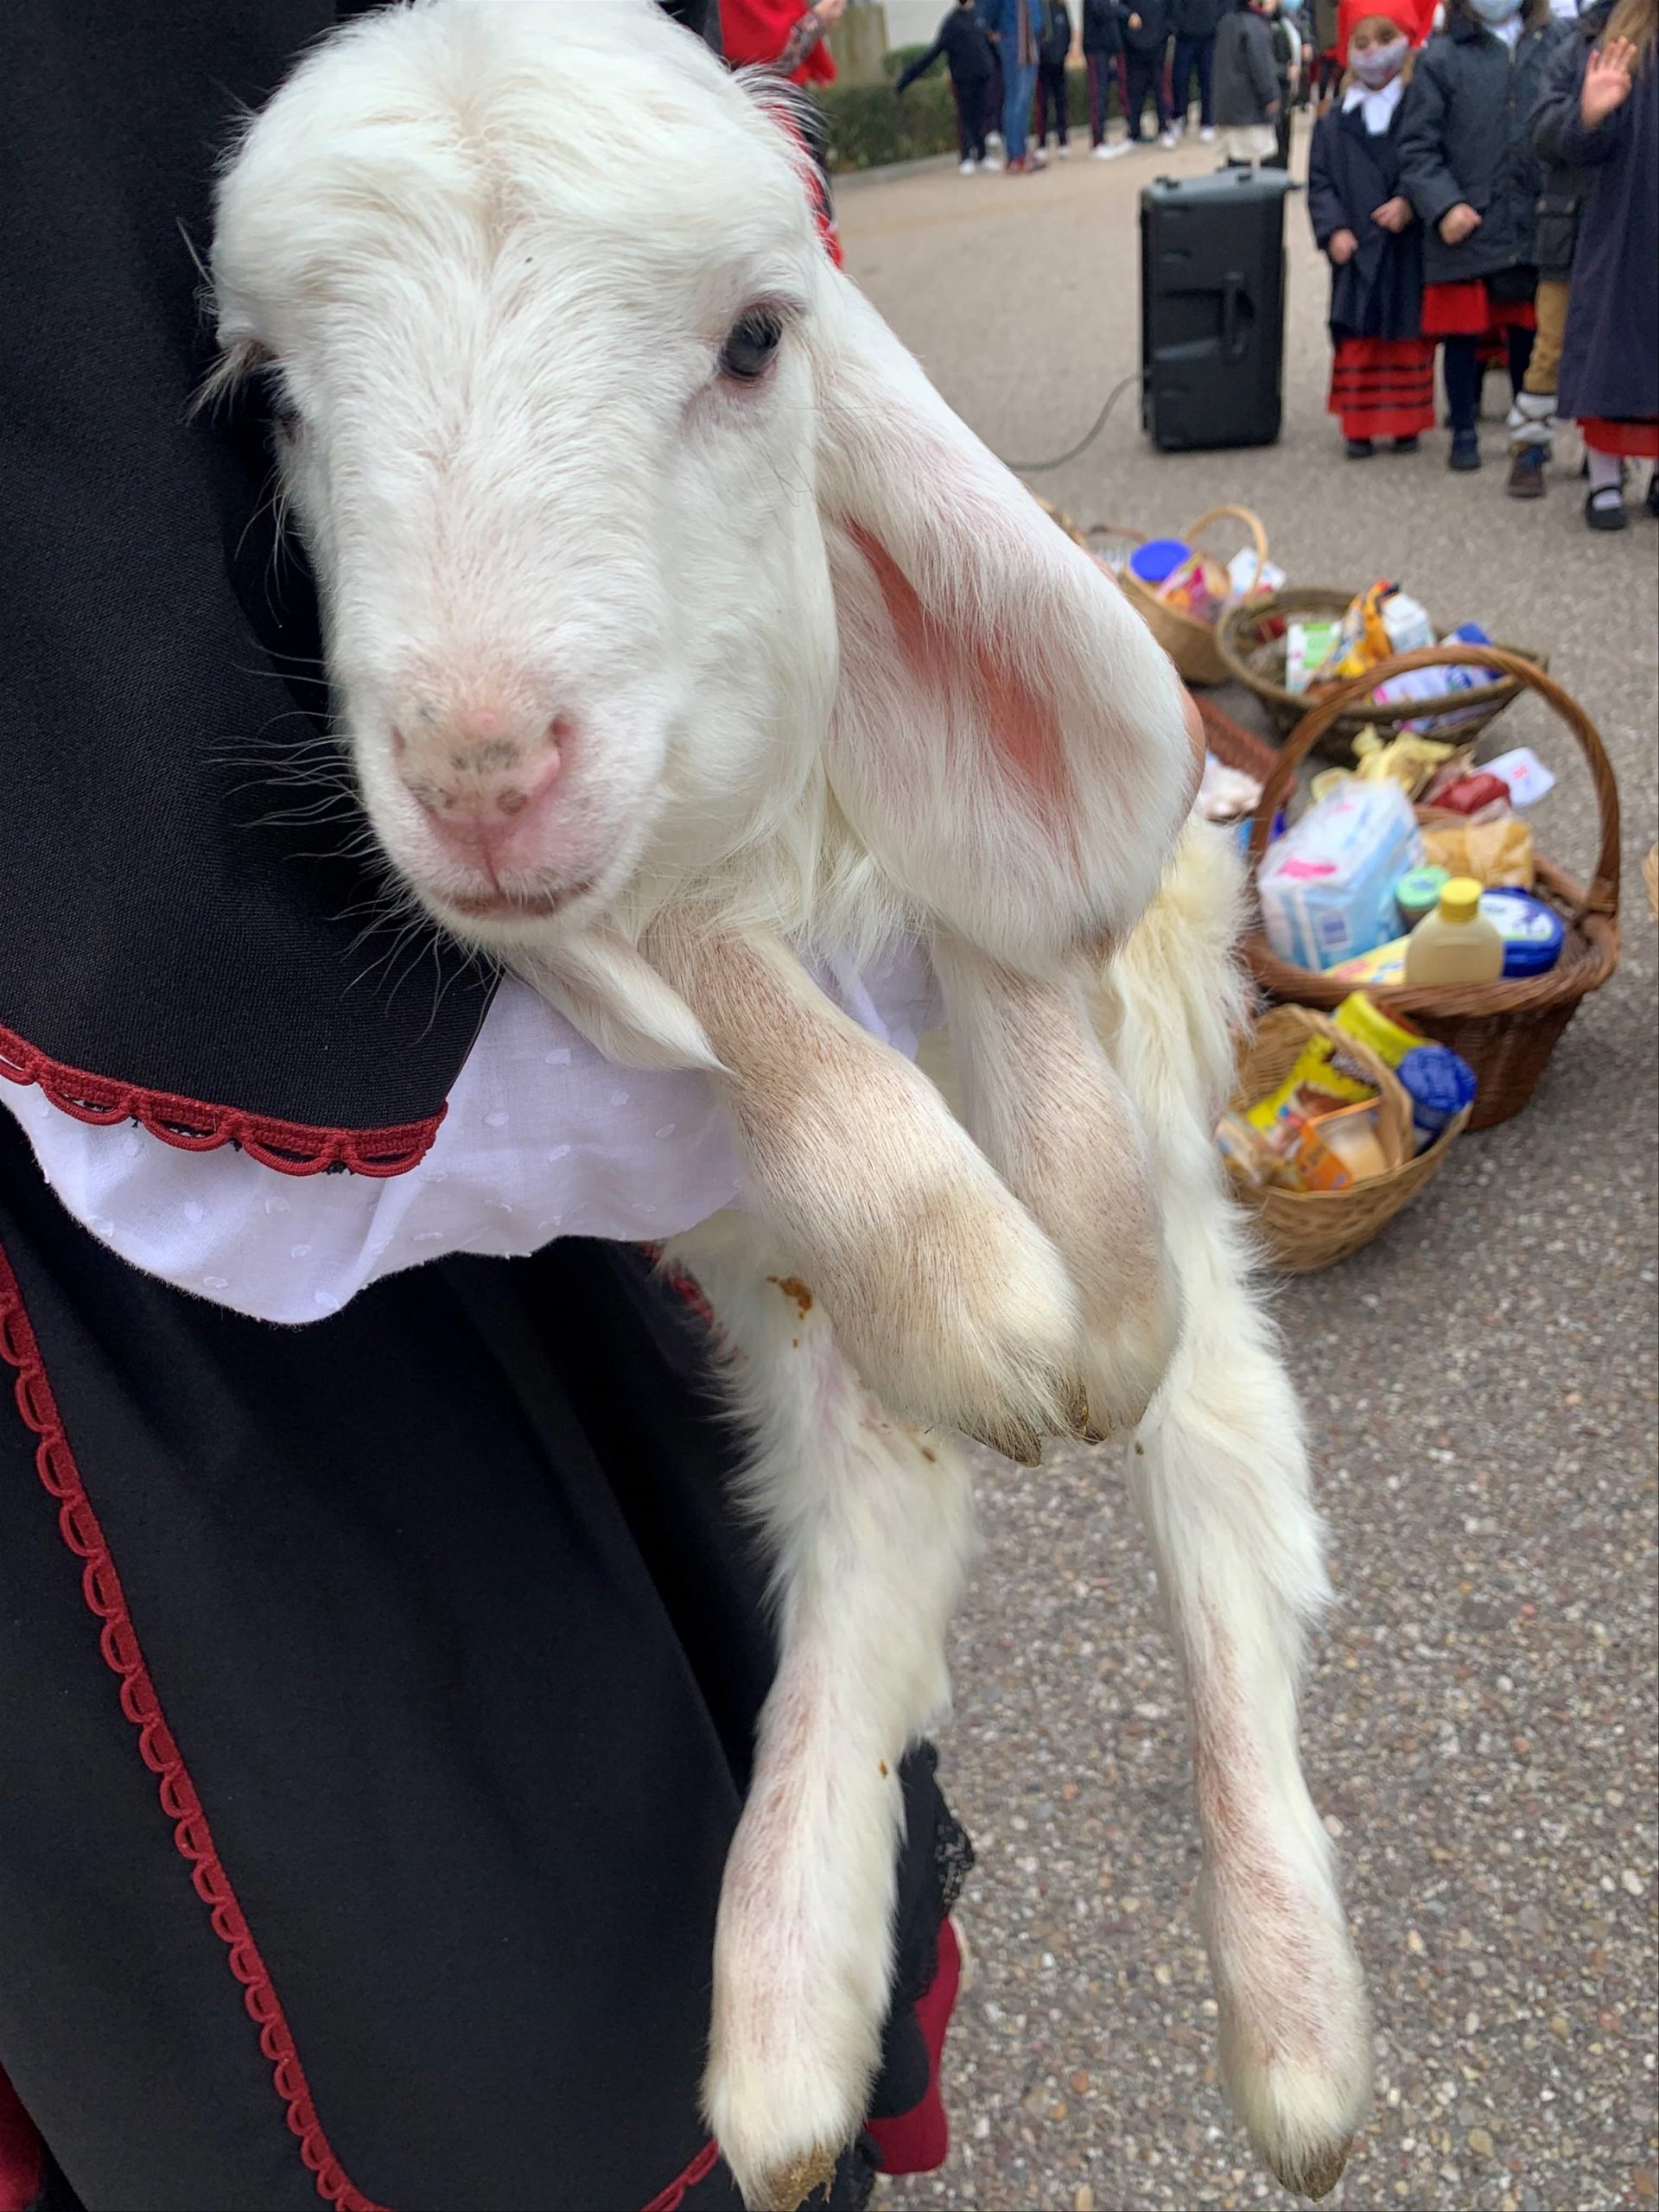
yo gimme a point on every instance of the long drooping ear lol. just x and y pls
(1007, 738)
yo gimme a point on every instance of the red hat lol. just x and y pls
(1410, 16)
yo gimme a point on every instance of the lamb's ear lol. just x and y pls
(1008, 738)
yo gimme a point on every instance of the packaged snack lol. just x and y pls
(1417, 893)
(1473, 794)
(1435, 682)
(1406, 760)
(1320, 1081)
(1331, 1151)
(1363, 636)
(1248, 1155)
(1384, 964)
(1198, 588)
(1308, 644)
(1533, 933)
(1389, 1039)
(1492, 852)
(1440, 1084)
(1407, 623)
(1326, 887)
(1248, 577)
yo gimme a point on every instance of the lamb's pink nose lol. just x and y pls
(483, 785)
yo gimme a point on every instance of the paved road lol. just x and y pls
(1480, 1725)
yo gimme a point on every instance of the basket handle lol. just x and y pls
(1602, 897)
(1252, 523)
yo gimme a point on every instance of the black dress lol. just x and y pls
(375, 1697)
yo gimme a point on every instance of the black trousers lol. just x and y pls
(393, 1676)
(1461, 367)
(1145, 73)
(1050, 94)
(1194, 56)
(972, 96)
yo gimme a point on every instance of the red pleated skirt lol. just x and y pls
(1468, 309)
(1633, 440)
(1383, 387)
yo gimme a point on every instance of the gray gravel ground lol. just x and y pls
(1480, 1722)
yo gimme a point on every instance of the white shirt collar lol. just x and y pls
(1377, 107)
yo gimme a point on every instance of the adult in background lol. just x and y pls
(1600, 111)
(1103, 50)
(1288, 63)
(1019, 27)
(961, 39)
(1196, 22)
(1146, 41)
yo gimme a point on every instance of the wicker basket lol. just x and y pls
(1249, 642)
(1505, 1030)
(1188, 643)
(1305, 1229)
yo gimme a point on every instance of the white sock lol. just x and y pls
(1607, 473)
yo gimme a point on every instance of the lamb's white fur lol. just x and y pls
(810, 667)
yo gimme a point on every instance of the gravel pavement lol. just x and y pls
(1480, 1720)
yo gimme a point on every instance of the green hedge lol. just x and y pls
(871, 125)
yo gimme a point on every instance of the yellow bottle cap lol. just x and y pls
(1460, 899)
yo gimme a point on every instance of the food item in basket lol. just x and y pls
(1407, 759)
(1384, 964)
(1326, 887)
(1249, 577)
(1406, 622)
(1320, 1081)
(1473, 795)
(1417, 893)
(1199, 588)
(1440, 1084)
(1533, 933)
(1456, 943)
(1525, 774)
(1390, 1040)
(1362, 635)
(1440, 682)
(1329, 1152)
(1494, 853)
(1251, 1157)
(1309, 643)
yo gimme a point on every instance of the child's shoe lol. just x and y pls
(1360, 448)
(1526, 477)
(1465, 452)
(1606, 509)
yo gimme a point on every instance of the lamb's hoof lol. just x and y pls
(1317, 2176)
(787, 2187)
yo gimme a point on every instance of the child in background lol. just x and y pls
(966, 53)
(1102, 44)
(1600, 112)
(1382, 368)
(1532, 423)
(1467, 166)
(1247, 86)
(1052, 49)
(1288, 63)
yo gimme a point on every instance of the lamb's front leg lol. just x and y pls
(870, 1528)
(951, 1303)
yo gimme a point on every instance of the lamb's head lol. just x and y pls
(527, 281)
(637, 530)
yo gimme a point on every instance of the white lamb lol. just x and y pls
(677, 628)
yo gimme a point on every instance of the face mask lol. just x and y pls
(1380, 65)
(1496, 11)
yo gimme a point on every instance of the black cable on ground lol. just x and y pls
(1041, 468)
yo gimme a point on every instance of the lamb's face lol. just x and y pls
(531, 289)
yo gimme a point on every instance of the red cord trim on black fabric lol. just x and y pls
(56, 1463)
(291, 1147)
(674, 2196)
(101, 1586)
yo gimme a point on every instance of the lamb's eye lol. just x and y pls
(751, 344)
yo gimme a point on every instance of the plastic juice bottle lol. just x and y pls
(1456, 943)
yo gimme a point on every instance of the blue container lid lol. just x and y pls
(1533, 933)
(1156, 561)
(1435, 1078)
